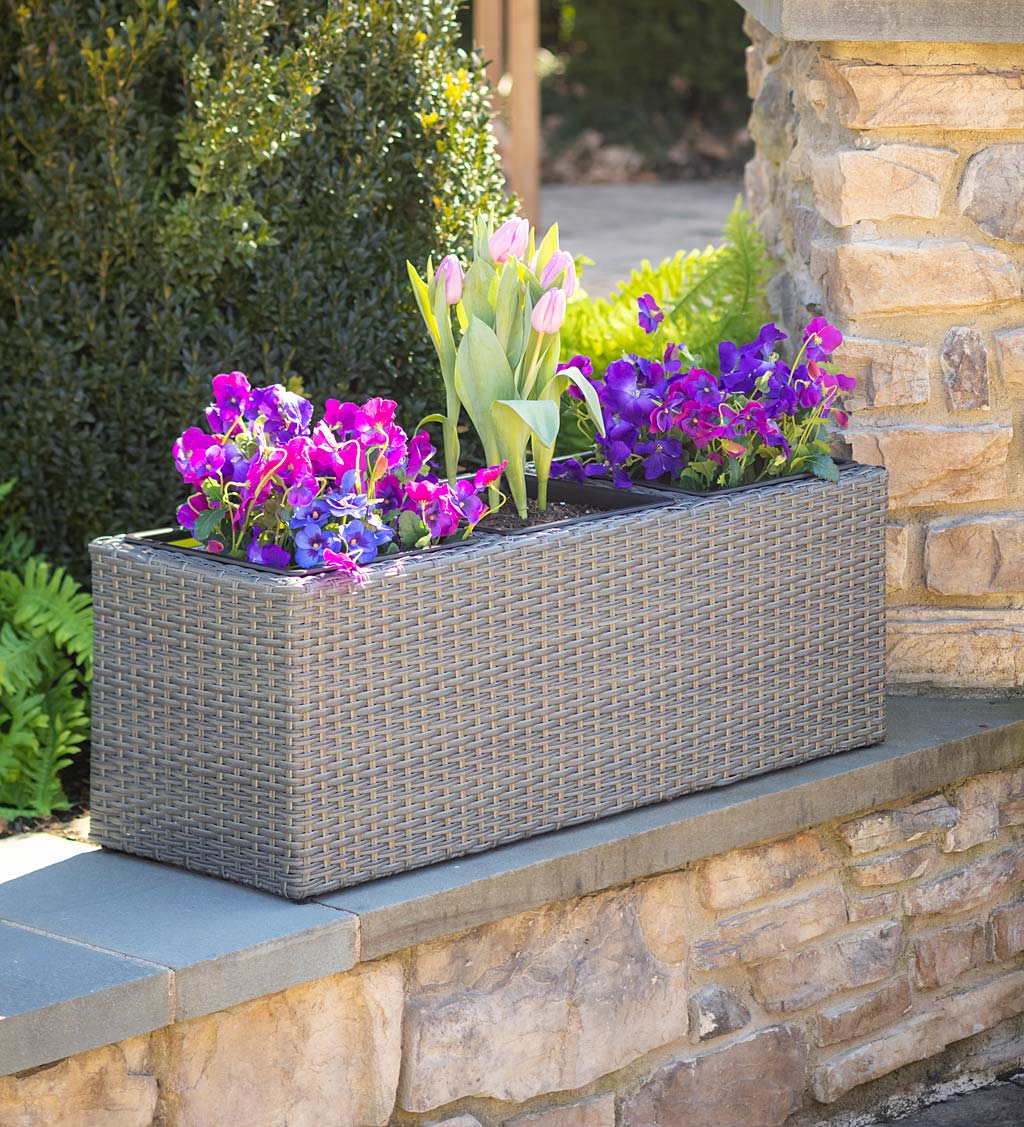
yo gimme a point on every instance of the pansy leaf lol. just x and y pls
(822, 466)
(207, 523)
(411, 529)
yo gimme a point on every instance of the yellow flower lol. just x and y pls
(428, 119)
(456, 85)
(421, 38)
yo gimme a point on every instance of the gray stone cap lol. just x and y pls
(892, 21)
(96, 946)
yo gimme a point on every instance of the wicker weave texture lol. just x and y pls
(301, 735)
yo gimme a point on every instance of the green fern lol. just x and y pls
(707, 296)
(45, 668)
(26, 658)
(53, 602)
(36, 789)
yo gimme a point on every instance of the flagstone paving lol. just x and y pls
(618, 225)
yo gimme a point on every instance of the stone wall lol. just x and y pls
(888, 181)
(787, 982)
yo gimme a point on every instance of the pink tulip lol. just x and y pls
(549, 312)
(559, 261)
(450, 269)
(510, 240)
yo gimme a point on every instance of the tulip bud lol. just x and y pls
(549, 312)
(559, 261)
(450, 269)
(510, 240)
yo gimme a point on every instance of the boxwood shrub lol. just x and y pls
(193, 187)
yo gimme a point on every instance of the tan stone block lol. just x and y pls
(862, 908)
(890, 180)
(598, 1111)
(877, 276)
(1007, 927)
(459, 1121)
(943, 955)
(990, 191)
(937, 465)
(951, 96)
(963, 359)
(894, 868)
(978, 801)
(758, 1079)
(801, 978)
(955, 649)
(665, 907)
(897, 556)
(978, 556)
(883, 828)
(914, 1040)
(734, 878)
(108, 1087)
(766, 932)
(867, 1014)
(326, 1051)
(970, 887)
(975, 1010)
(542, 1002)
(1010, 346)
(889, 373)
(1012, 813)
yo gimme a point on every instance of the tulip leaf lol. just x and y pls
(508, 316)
(512, 432)
(476, 288)
(548, 246)
(421, 291)
(539, 415)
(445, 340)
(482, 374)
(575, 376)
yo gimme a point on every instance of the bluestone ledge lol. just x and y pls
(146, 944)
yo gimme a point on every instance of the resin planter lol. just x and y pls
(300, 733)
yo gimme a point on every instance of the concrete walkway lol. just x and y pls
(619, 225)
(1001, 1105)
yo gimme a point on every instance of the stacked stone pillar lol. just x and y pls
(889, 182)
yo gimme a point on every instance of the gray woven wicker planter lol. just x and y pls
(302, 734)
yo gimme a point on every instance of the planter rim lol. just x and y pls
(844, 465)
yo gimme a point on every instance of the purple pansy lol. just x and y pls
(648, 314)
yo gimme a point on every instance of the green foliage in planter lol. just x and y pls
(190, 187)
(45, 670)
(706, 295)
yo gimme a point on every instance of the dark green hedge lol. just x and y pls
(645, 74)
(197, 187)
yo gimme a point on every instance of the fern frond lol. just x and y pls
(60, 726)
(26, 657)
(54, 602)
(707, 295)
(22, 717)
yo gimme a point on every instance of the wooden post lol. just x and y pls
(489, 36)
(524, 104)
